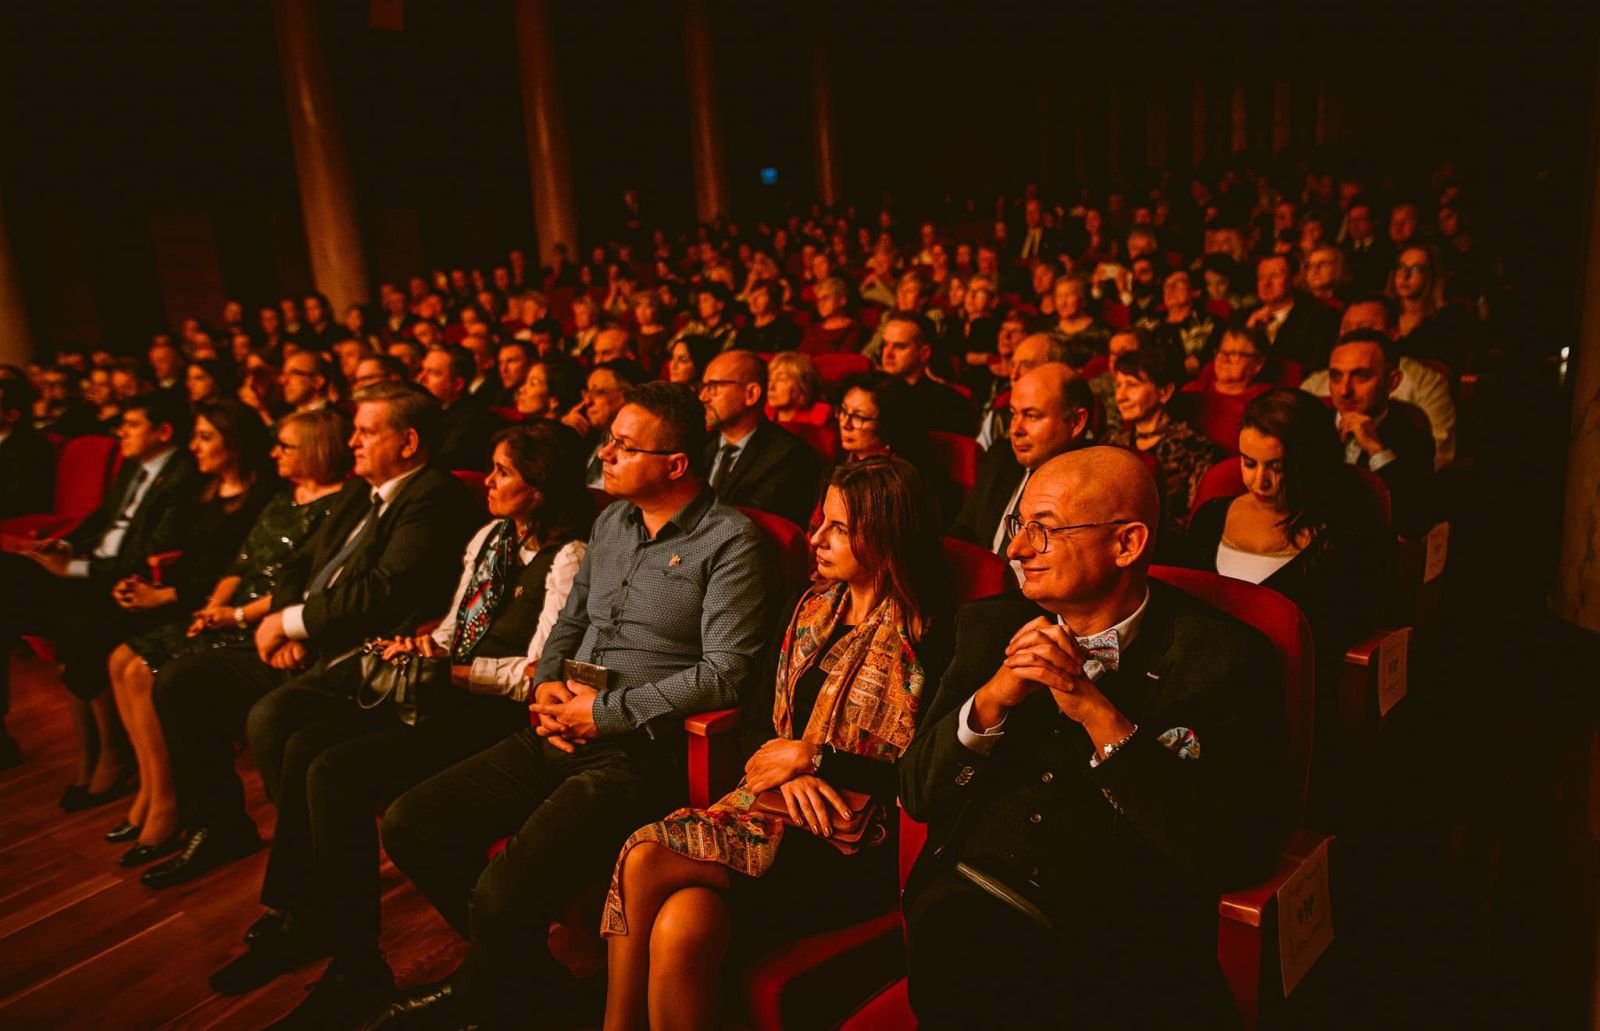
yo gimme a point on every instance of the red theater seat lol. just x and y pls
(835, 368)
(959, 455)
(84, 470)
(823, 438)
(475, 483)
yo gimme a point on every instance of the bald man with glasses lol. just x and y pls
(1103, 758)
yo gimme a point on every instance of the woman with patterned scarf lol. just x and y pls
(854, 663)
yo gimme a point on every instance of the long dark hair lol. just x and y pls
(894, 531)
(243, 433)
(1319, 489)
(549, 456)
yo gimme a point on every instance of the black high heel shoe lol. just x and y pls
(123, 831)
(79, 797)
(141, 854)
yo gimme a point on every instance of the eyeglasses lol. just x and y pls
(1039, 534)
(608, 441)
(849, 418)
(718, 384)
(1243, 356)
(1411, 270)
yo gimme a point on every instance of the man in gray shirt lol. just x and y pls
(672, 599)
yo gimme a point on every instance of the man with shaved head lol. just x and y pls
(1103, 757)
(1049, 411)
(1033, 350)
(753, 462)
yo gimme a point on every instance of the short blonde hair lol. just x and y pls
(799, 365)
(325, 432)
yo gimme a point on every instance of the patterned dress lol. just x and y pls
(1183, 456)
(282, 527)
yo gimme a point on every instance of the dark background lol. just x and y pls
(147, 171)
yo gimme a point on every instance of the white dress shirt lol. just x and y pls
(111, 540)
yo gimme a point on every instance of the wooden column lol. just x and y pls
(1577, 593)
(327, 201)
(1197, 118)
(1155, 126)
(827, 140)
(1239, 109)
(16, 334)
(1113, 129)
(555, 216)
(1281, 116)
(705, 128)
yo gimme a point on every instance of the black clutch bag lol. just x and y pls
(417, 686)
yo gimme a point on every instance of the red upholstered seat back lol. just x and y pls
(794, 552)
(834, 368)
(975, 572)
(959, 456)
(475, 482)
(86, 466)
(1281, 621)
(823, 439)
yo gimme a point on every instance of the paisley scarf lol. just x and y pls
(867, 706)
(491, 572)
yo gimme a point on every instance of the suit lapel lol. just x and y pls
(754, 451)
(1142, 674)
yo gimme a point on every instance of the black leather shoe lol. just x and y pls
(427, 1007)
(141, 854)
(270, 922)
(344, 994)
(79, 797)
(205, 850)
(123, 831)
(271, 955)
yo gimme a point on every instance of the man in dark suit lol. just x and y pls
(752, 462)
(27, 461)
(1369, 259)
(384, 560)
(1034, 239)
(62, 588)
(1050, 406)
(1104, 757)
(907, 350)
(1298, 327)
(1389, 437)
(466, 424)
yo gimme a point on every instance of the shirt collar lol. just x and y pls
(1128, 629)
(153, 466)
(389, 488)
(686, 518)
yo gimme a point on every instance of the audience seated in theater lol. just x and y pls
(769, 329)
(911, 297)
(63, 588)
(377, 368)
(1085, 337)
(711, 319)
(907, 350)
(652, 335)
(1306, 525)
(585, 328)
(879, 415)
(1297, 328)
(1324, 275)
(865, 646)
(166, 364)
(57, 408)
(1186, 328)
(512, 363)
(208, 379)
(1050, 406)
(304, 381)
(381, 562)
(673, 600)
(27, 461)
(335, 760)
(552, 388)
(1104, 384)
(831, 329)
(102, 399)
(1420, 386)
(603, 392)
(312, 458)
(1370, 259)
(794, 390)
(750, 462)
(612, 344)
(1030, 352)
(465, 425)
(1104, 756)
(971, 334)
(688, 359)
(1431, 328)
(1235, 379)
(1391, 438)
(1147, 380)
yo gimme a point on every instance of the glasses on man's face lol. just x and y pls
(1039, 534)
(1237, 356)
(849, 418)
(624, 449)
(718, 384)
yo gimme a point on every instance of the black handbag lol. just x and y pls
(417, 686)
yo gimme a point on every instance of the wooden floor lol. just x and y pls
(84, 944)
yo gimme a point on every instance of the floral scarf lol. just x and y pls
(491, 572)
(867, 706)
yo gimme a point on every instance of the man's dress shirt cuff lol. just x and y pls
(980, 741)
(1381, 459)
(78, 569)
(294, 623)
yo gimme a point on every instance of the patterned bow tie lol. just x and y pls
(1104, 651)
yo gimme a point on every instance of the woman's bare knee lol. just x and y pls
(691, 927)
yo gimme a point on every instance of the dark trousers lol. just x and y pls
(566, 815)
(1074, 975)
(79, 615)
(331, 763)
(202, 699)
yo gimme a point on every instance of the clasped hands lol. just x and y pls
(274, 646)
(566, 713)
(53, 555)
(1043, 654)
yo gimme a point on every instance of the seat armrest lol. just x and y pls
(1248, 905)
(160, 562)
(713, 754)
(712, 722)
(1248, 933)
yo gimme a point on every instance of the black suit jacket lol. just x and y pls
(999, 472)
(944, 407)
(777, 472)
(158, 524)
(1138, 849)
(1307, 334)
(403, 574)
(1406, 432)
(27, 472)
(464, 435)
